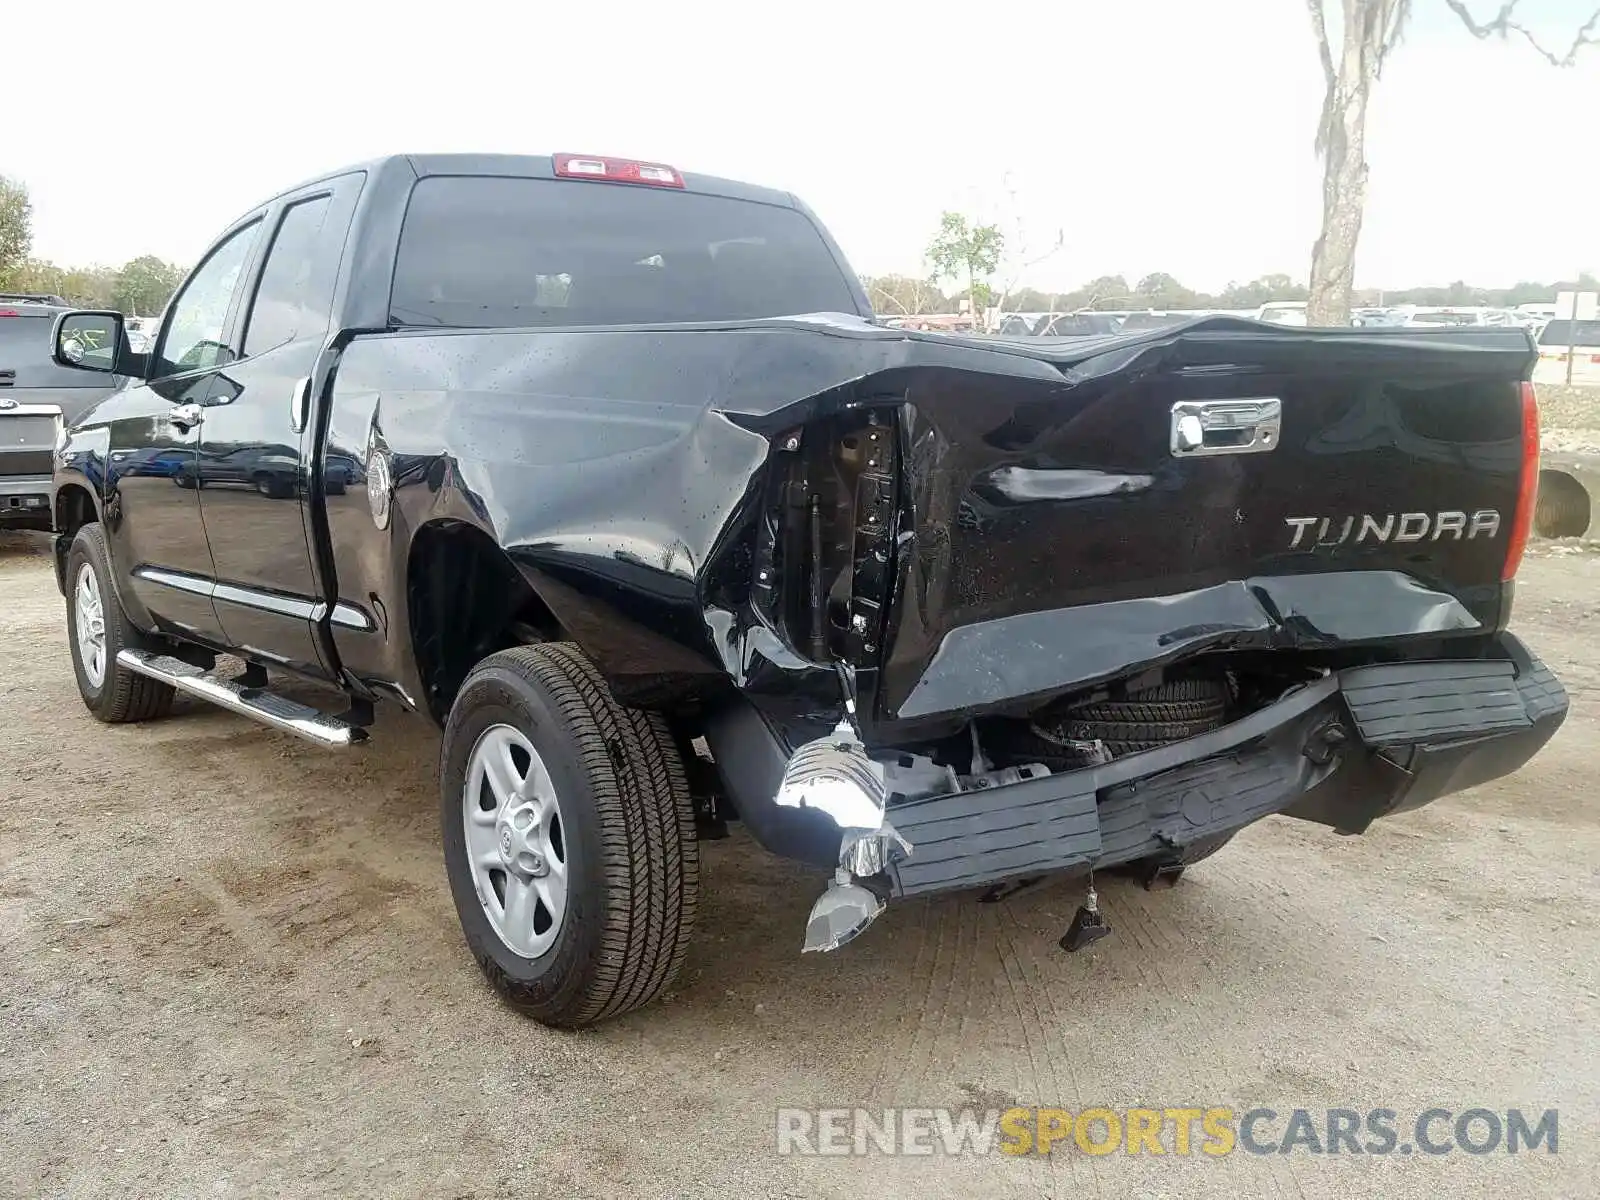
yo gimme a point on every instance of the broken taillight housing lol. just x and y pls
(1527, 484)
(617, 170)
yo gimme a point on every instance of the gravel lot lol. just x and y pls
(229, 966)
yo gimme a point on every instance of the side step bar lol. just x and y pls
(267, 707)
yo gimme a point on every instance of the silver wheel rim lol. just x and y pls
(516, 841)
(89, 619)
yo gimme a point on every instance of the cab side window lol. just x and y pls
(295, 295)
(197, 320)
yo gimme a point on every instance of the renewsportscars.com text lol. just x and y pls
(1180, 1131)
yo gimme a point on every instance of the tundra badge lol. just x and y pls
(1391, 527)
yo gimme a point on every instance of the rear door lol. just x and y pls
(152, 481)
(254, 447)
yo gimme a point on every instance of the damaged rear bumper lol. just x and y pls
(1352, 747)
(1343, 751)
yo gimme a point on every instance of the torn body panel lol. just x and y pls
(1024, 530)
(725, 518)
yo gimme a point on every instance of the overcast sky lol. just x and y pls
(1160, 135)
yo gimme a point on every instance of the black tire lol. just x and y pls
(272, 487)
(122, 695)
(628, 821)
(1146, 719)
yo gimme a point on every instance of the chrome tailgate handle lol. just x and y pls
(1202, 427)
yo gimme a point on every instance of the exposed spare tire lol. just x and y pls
(1142, 720)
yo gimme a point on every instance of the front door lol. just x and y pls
(255, 448)
(152, 497)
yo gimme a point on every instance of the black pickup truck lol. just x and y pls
(609, 471)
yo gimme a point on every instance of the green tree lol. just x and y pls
(16, 230)
(1106, 291)
(969, 253)
(144, 285)
(1032, 300)
(1265, 290)
(1160, 290)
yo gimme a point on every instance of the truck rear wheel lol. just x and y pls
(569, 837)
(97, 631)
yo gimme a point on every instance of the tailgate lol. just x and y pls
(1211, 488)
(27, 436)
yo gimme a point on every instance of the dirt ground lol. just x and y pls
(229, 966)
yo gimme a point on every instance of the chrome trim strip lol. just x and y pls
(31, 410)
(351, 617)
(193, 584)
(344, 614)
(285, 606)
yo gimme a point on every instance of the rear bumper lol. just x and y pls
(1351, 748)
(24, 501)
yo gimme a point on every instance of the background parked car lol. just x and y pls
(1563, 339)
(1283, 312)
(1079, 325)
(36, 397)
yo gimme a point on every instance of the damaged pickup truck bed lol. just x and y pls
(608, 471)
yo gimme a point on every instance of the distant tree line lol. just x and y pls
(896, 295)
(142, 285)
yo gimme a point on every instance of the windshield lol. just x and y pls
(1561, 333)
(483, 252)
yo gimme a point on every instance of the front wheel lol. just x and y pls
(569, 837)
(97, 631)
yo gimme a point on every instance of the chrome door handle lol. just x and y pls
(298, 404)
(187, 415)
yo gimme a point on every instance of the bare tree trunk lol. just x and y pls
(1344, 199)
(1370, 30)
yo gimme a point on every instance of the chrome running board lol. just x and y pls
(269, 708)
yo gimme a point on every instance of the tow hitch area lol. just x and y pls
(1341, 749)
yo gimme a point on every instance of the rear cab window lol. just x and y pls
(485, 252)
(1570, 333)
(296, 283)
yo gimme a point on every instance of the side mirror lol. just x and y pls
(92, 341)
